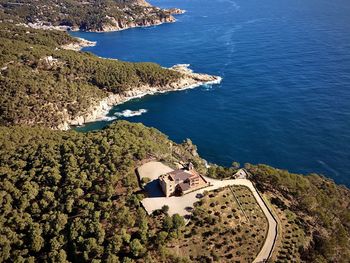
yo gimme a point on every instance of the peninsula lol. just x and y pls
(45, 81)
(90, 15)
(67, 196)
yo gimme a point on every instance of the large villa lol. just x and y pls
(181, 181)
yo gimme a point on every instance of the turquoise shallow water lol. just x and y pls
(285, 96)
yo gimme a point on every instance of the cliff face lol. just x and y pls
(121, 24)
(92, 15)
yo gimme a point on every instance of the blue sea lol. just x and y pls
(285, 95)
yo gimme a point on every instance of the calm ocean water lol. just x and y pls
(285, 95)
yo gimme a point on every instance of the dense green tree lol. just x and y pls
(136, 248)
(62, 196)
(178, 221)
(161, 237)
(165, 209)
(167, 223)
(36, 240)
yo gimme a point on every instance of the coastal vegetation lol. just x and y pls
(314, 213)
(69, 196)
(91, 15)
(41, 83)
(74, 197)
(220, 172)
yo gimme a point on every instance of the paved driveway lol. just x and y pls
(153, 170)
(182, 205)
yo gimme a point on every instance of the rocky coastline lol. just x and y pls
(79, 45)
(114, 24)
(100, 109)
(119, 25)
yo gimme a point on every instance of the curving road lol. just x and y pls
(267, 249)
(182, 204)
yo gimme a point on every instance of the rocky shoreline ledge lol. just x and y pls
(77, 46)
(118, 25)
(114, 24)
(99, 110)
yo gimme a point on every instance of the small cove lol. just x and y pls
(285, 95)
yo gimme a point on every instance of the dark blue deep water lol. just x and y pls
(285, 95)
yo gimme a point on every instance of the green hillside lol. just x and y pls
(91, 15)
(40, 81)
(74, 196)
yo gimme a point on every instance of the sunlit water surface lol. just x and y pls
(285, 95)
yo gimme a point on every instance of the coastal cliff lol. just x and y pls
(150, 19)
(79, 44)
(92, 15)
(68, 196)
(99, 109)
(121, 24)
(48, 85)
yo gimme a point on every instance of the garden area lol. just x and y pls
(227, 225)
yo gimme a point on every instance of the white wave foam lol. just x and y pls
(209, 83)
(207, 87)
(109, 118)
(130, 113)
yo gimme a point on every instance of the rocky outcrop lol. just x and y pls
(175, 11)
(150, 17)
(126, 14)
(114, 24)
(80, 44)
(99, 109)
(119, 24)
